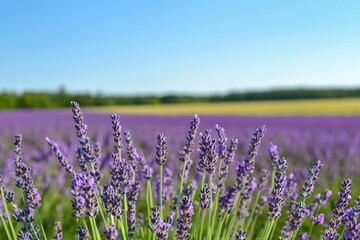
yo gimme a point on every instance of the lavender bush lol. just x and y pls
(203, 189)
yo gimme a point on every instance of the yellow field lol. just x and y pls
(346, 106)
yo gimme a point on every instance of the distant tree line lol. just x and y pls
(62, 98)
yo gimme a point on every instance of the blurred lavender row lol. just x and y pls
(335, 139)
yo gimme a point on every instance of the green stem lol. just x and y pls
(161, 192)
(219, 228)
(272, 231)
(8, 214)
(92, 228)
(202, 223)
(312, 224)
(216, 200)
(267, 229)
(342, 233)
(253, 211)
(121, 226)
(253, 224)
(32, 227)
(199, 208)
(100, 200)
(41, 225)
(235, 208)
(182, 176)
(125, 215)
(209, 230)
(6, 228)
(148, 201)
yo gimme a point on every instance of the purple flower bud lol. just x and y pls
(303, 236)
(320, 218)
(111, 233)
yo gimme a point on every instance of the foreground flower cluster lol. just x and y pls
(135, 199)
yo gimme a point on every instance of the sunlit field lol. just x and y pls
(346, 106)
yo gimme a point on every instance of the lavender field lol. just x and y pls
(245, 180)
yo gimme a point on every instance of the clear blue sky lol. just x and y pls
(140, 47)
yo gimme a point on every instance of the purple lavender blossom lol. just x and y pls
(111, 233)
(112, 201)
(184, 221)
(115, 120)
(249, 188)
(207, 152)
(319, 219)
(184, 154)
(9, 195)
(23, 178)
(58, 231)
(240, 235)
(60, 156)
(81, 133)
(228, 199)
(132, 196)
(148, 172)
(303, 236)
(78, 201)
(263, 180)
(253, 149)
(222, 139)
(121, 174)
(308, 187)
(205, 197)
(82, 233)
(227, 160)
(276, 200)
(131, 152)
(161, 149)
(323, 200)
(189, 144)
(352, 229)
(297, 216)
(154, 218)
(89, 191)
(22, 215)
(339, 211)
(274, 154)
(163, 227)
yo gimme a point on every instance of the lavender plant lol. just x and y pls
(129, 192)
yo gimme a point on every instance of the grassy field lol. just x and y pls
(345, 106)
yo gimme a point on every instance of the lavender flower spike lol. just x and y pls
(111, 233)
(82, 233)
(58, 231)
(161, 149)
(115, 120)
(189, 144)
(308, 187)
(205, 197)
(276, 201)
(274, 154)
(23, 178)
(60, 156)
(184, 221)
(207, 150)
(339, 211)
(81, 132)
(253, 148)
